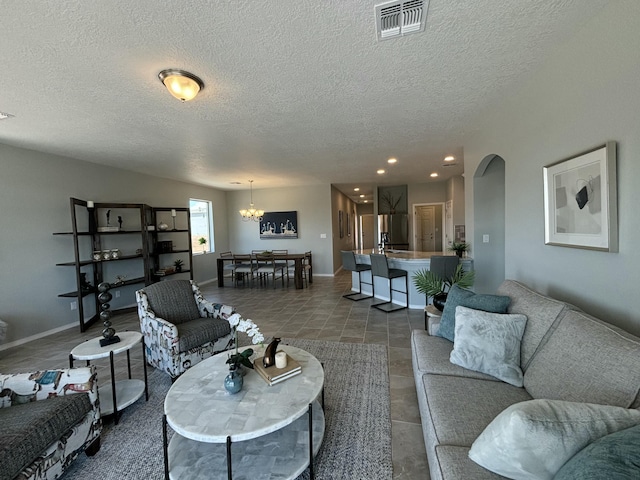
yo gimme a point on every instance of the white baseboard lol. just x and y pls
(37, 336)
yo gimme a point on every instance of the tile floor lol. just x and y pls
(317, 312)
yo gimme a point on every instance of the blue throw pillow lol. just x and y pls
(466, 298)
(612, 456)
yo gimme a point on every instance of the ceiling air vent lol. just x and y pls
(398, 18)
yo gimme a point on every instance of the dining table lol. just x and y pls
(297, 261)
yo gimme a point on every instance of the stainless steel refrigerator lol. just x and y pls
(396, 226)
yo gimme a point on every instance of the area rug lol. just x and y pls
(357, 442)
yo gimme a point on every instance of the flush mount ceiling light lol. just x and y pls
(450, 158)
(182, 85)
(251, 213)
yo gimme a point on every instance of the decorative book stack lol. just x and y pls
(273, 374)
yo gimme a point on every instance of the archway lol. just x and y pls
(489, 221)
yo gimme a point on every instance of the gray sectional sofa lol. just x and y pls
(565, 355)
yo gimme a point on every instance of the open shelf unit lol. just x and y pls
(136, 241)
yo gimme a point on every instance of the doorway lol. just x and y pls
(366, 239)
(428, 227)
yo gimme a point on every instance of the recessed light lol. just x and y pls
(380, 172)
(392, 160)
(366, 201)
(361, 195)
(434, 174)
(357, 189)
(450, 158)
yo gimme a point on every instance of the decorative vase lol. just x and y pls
(233, 381)
(439, 299)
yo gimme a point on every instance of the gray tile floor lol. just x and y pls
(317, 312)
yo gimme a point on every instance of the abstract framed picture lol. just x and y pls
(276, 225)
(580, 200)
(341, 223)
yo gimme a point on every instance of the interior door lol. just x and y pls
(366, 232)
(426, 228)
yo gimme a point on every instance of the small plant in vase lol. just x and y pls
(202, 241)
(432, 285)
(233, 381)
(178, 264)
(459, 248)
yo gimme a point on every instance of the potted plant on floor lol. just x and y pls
(432, 285)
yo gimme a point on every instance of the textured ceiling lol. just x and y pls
(297, 92)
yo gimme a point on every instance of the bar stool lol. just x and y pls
(349, 263)
(380, 268)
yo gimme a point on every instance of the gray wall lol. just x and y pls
(339, 201)
(489, 220)
(585, 94)
(34, 195)
(314, 220)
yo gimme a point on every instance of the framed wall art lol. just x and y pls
(580, 200)
(341, 223)
(276, 225)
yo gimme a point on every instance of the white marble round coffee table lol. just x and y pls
(264, 430)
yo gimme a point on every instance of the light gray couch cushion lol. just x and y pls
(541, 312)
(489, 343)
(431, 355)
(586, 360)
(532, 440)
(453, 463)
(461, 408)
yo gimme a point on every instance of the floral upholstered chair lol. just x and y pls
(181, 328)
(47, 419)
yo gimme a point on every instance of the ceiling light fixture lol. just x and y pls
(361, 195)
(450, 158)
(366, 201)
(182, 85)
(357, 189)
(392, 160)
(434, 174)
(380, 172)
(251, 213)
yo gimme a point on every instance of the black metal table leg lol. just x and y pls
(70, 361)
(129, 363)
(113, 388)
(144, 364)
(311, 471)
(165, 447)
(229, 458)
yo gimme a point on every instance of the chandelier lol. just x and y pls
(251, 213)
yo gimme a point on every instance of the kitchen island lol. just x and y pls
(411, 261)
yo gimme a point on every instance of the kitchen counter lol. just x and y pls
(411, 261)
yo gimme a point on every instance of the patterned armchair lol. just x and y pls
(47, 418)
(180, 327)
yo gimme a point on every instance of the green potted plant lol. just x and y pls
(202, 241)
(459, 248)
(432, 285)
(178, 264)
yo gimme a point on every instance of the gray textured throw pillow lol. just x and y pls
(532, 440)
(460, 297)
(489, 343)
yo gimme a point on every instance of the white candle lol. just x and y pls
(281, 360)
(90, 204)
(173, 212)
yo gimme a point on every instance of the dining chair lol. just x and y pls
(230, 267)
(245, 266)
(282, 261)
(306, 266)
(268, 266)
